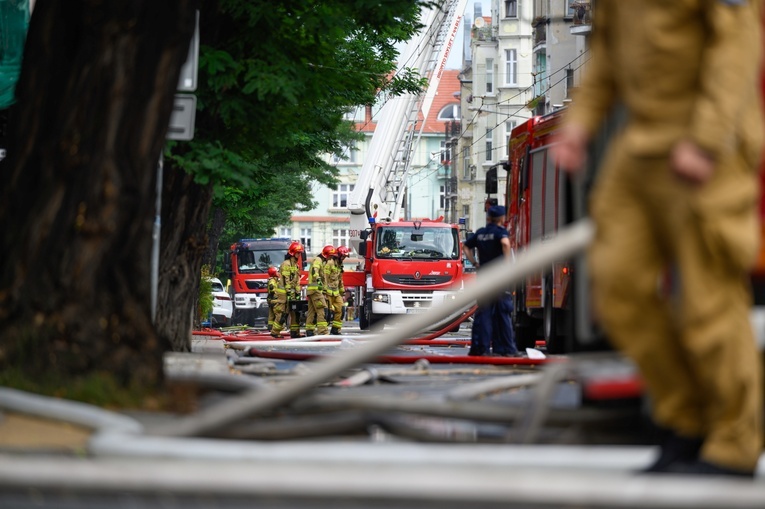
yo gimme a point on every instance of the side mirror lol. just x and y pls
(364, 235)
(491, 180)
(363, 246)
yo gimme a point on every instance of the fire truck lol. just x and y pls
(552, 305)
(247, 265)
(409, 266)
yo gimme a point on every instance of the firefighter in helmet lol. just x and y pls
(288, 291)
(342, 253)
(334, 290)
(316, 318)
(273, 284)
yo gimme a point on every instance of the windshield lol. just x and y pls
(422, 243)
(260, 260)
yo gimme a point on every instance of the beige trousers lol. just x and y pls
(691, 339)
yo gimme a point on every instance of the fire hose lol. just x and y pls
(491, 282)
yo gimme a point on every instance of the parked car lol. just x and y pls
(223, 306)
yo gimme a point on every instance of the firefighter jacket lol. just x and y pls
(334, 277)
(273, 284)
(316, 275)
(289, 278)
(680, 74)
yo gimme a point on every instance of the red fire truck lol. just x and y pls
(540, 198)
(554, 305)
(247, 264)
(409, 267)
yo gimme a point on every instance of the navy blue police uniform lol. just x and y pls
(492, 330)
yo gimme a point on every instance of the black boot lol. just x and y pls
(294, 333)
(309, 333)
(701, 467)
(334, 331)
(676, 449)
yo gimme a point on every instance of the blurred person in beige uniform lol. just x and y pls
(678, 191)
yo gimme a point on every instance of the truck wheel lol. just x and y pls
(553, 339)
(525, 331)
(363, 317)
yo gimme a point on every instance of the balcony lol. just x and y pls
(484, 33)
(582, 21)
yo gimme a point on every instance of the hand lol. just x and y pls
(691, 163)
(570, 151)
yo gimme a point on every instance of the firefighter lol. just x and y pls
(288, 291)
(273, 284)
(342, 253)
(336, 288)
(316, 317)
(677, 191)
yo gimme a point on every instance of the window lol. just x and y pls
(446, 152)
(488, 145)
(341, 238)
(348, 155)
(449, 112)
(509, 126)
(466, 210)
(340, 196)
(511, 8)
(466, 171)
(511, 66)
(442, 196)
(489, 75)
(305, 238)
(570, 11)
(286, 232)
(569, 82)
(356, 114)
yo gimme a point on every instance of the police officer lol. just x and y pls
(492, 331)
(288, 291)
(273, 284)
(678, 191)
(316, 318)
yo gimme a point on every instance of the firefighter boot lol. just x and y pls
(294, 333)
(309, 333)
(335, 331)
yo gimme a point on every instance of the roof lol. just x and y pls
(445, 95)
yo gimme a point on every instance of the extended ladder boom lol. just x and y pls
(381, 185)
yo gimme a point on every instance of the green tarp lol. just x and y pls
(14, 19)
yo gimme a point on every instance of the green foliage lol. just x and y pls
(275, 79)
(205, 294)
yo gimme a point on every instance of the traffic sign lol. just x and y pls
(182, 119)
(187, 81)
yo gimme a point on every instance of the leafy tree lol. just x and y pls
(275, 82)
(93, 103)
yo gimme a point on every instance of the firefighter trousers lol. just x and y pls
(315, 318)
(335, 302)
(691, 338)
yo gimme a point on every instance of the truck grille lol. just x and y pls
(256, 285)
(410, 280)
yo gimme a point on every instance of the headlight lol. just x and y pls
(381, 297)
(452, 296)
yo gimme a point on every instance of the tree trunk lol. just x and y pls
(77, 201)
(185, 210)
(214, 232)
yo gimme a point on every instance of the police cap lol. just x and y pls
(496, 211)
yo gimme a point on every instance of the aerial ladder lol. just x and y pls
(409, 266)
(381, 185)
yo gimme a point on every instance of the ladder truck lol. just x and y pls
(409, 266)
